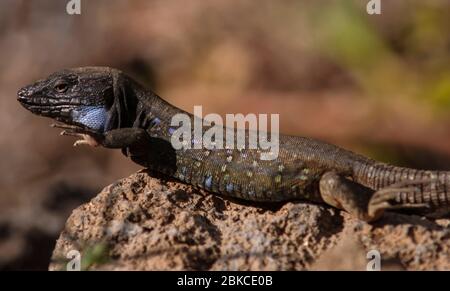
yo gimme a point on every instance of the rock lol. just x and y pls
(150, 222)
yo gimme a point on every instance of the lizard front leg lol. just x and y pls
(134, 142)
(125, 137)
(121, 138)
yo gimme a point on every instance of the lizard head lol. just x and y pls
(91, 98)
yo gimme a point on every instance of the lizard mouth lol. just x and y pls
(61, 112)
(57, 109)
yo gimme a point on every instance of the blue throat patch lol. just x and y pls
(93, 117)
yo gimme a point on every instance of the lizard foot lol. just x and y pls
(401, 195)
(76, 131)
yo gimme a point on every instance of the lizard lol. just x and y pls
(105, 107)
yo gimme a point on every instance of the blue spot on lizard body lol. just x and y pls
(156, 121)
(208, 182)
(229, 187)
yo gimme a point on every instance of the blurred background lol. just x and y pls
(376, 84)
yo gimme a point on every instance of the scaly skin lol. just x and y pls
(107, 108)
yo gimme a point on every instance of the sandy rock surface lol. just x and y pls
(148, 222)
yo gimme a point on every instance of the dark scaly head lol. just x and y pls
(91, 98)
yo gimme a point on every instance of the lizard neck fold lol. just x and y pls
(122, 102)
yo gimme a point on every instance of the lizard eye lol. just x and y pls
(61, 87)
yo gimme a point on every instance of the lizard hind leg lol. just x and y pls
(347, 195)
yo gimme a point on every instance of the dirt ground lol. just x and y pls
(147, 223)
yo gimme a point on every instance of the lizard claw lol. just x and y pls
(79, 142)
(62, 126)
(87, 140)
(70, 133)
(69, 128)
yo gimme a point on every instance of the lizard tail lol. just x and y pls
(433, 186)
